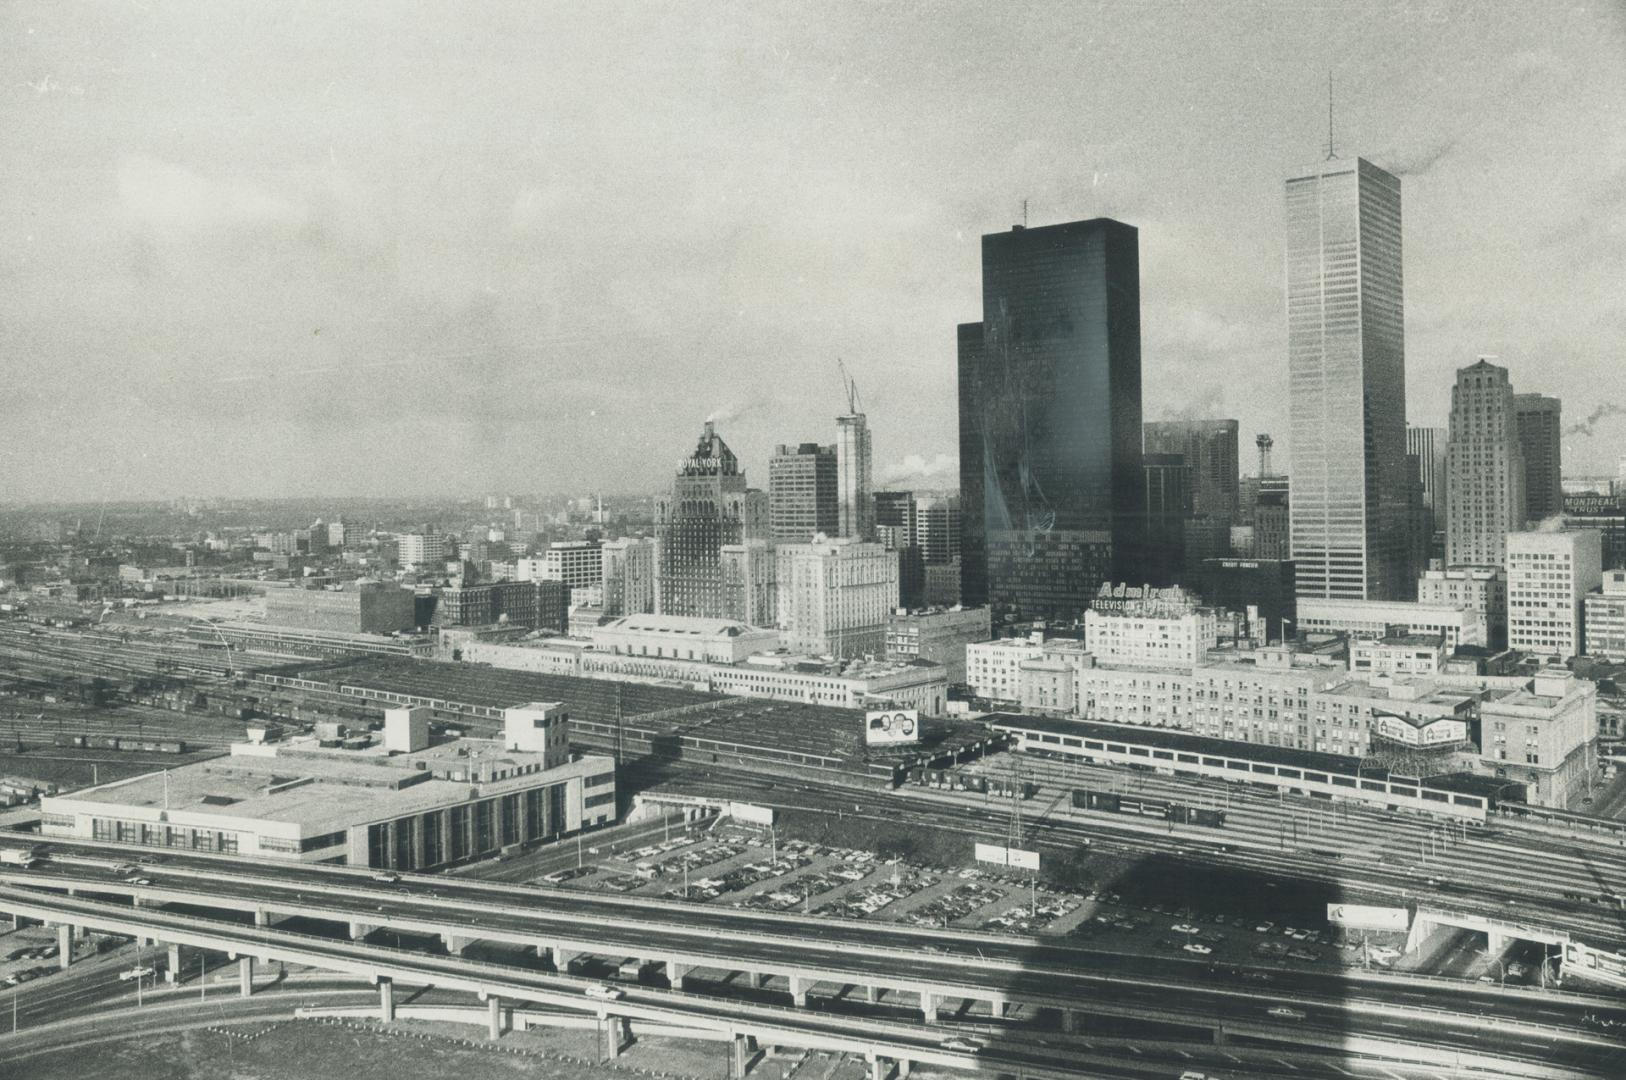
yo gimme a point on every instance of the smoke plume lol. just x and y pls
(1549, 524)
(1417, 160)
(1603, 411)
(916, 471)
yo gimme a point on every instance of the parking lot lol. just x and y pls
(747, 867)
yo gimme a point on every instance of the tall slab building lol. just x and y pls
(709, 509)
(1209, 448)
(1053, 498)
(802, 497)
(1541, 442)
(1484, 468)
(856, 506)
(1346, 365)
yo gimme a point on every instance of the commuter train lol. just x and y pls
(1112, 802)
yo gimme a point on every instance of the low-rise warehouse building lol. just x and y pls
(391, 804)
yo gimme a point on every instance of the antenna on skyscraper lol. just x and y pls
(1024, 213)
(1330, 154)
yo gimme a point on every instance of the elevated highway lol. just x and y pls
(1397, 1018)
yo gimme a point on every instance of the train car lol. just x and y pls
(1214, 819)
(103, 742)
(1096, 800)
(1145, 807)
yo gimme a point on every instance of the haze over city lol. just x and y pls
(314, 250)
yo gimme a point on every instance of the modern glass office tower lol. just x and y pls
(1052, 493)
(1346, 363)
(1541, 442)
(855, 506)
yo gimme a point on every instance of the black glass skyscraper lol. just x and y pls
(1053, 496)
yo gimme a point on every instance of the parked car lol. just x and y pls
(1200, 950)
(1285, 1012)
(136, 973)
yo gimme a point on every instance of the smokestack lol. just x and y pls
(1264, 442)
(711, 431)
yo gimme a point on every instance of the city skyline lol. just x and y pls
(303, 280)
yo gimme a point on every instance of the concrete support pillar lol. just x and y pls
(494, 1016)
(1497, 943)
(756, 980)
(675, 972)
(64, 944)
(386, 1000)
(245, 975)
(1069, 1022)
(173, 972)
(609, 1037)
(872, 994)
(1220, 1038)
(562, 958)
(455, 944)
(929, 1003)
(798, 991)
(903, 1069)
(359, 930)
(739, 1053)
(877, 1067)
(262, 917)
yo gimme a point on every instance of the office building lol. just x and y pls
(358, 804)
(1429, 444)
(802, 493)
(937, 528)
(422, 550)
(993, 669)
(942, 587)
(628, 568)
(855, 507)
(1480, 590)
(1484, 468)
(1130, 625)
(1543, 733)
(937, 636)
(1606, 514)
(911, 576)
(362, 608)
(1381, 618)
(895, 512)
(541, 605)
(1548, 577)
(1168, 508)
(835, 595)
(1272, 529)
(1397, 654)
(1051, 486)
(1210, 451)
(1541, 445)
(1347, 383)
(709, 508)
(1605, 618)
(577, 563)
(1261, 590)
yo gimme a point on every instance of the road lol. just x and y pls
(1529, 1026)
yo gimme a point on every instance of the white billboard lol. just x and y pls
(993, 853)
(891, 726)
(757, 815)
(999, 855)
(1368, 917)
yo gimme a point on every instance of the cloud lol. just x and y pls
(174, 199)
(941, 469)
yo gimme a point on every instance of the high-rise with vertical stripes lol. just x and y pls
(1346, 365)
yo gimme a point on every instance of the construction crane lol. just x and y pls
(855, 405)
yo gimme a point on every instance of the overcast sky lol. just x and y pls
(365, 248)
